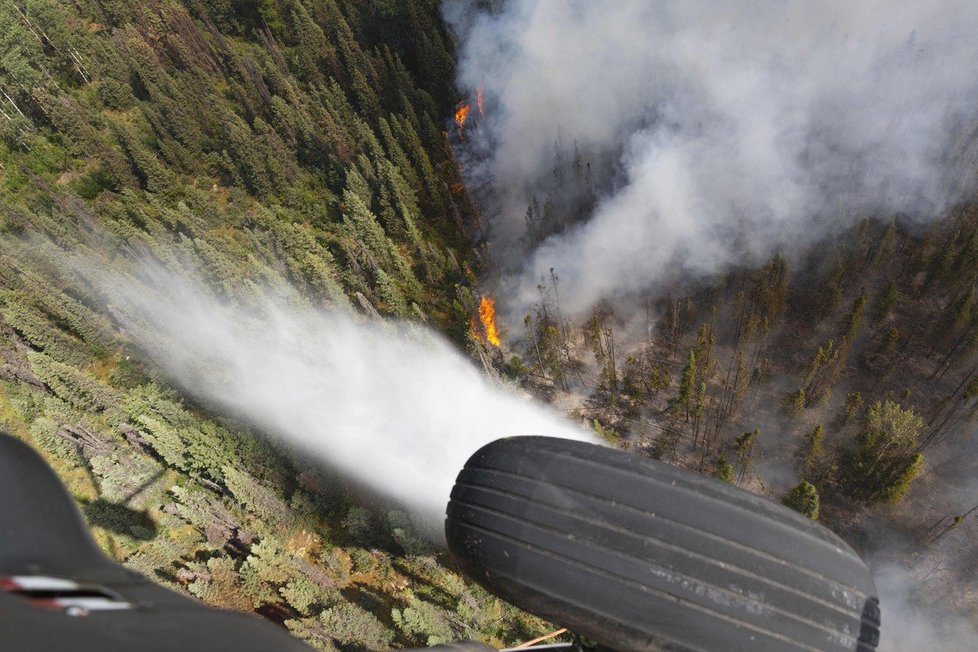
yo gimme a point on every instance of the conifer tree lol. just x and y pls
(811, 452)
(723, 469)
(687, 386)
(803, 498)
(886, 458)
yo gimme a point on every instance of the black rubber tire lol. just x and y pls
(640, 555)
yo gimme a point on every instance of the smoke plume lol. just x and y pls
(909, 623)
(391, 406)
(715, 132)
(664, 141)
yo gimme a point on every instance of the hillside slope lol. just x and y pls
(280, 143)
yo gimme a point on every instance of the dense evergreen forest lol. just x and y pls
(297, 142)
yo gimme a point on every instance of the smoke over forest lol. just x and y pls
(738, 238)
(630, 150)
(699, 134)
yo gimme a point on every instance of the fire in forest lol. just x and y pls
(487, 317)
(461, 115)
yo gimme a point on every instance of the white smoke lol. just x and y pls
(733, 129)
(392, 406)
(717, 133)
(909, 624)
(925, 581)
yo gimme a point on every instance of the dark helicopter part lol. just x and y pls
(59, 592)
(639, 555)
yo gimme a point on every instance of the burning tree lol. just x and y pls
(461, 115)
(487, 317)
(484, 328)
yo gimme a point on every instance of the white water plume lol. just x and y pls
(392, 406)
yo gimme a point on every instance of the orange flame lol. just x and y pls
(487, 315)
(461, 115)
(479, 100)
